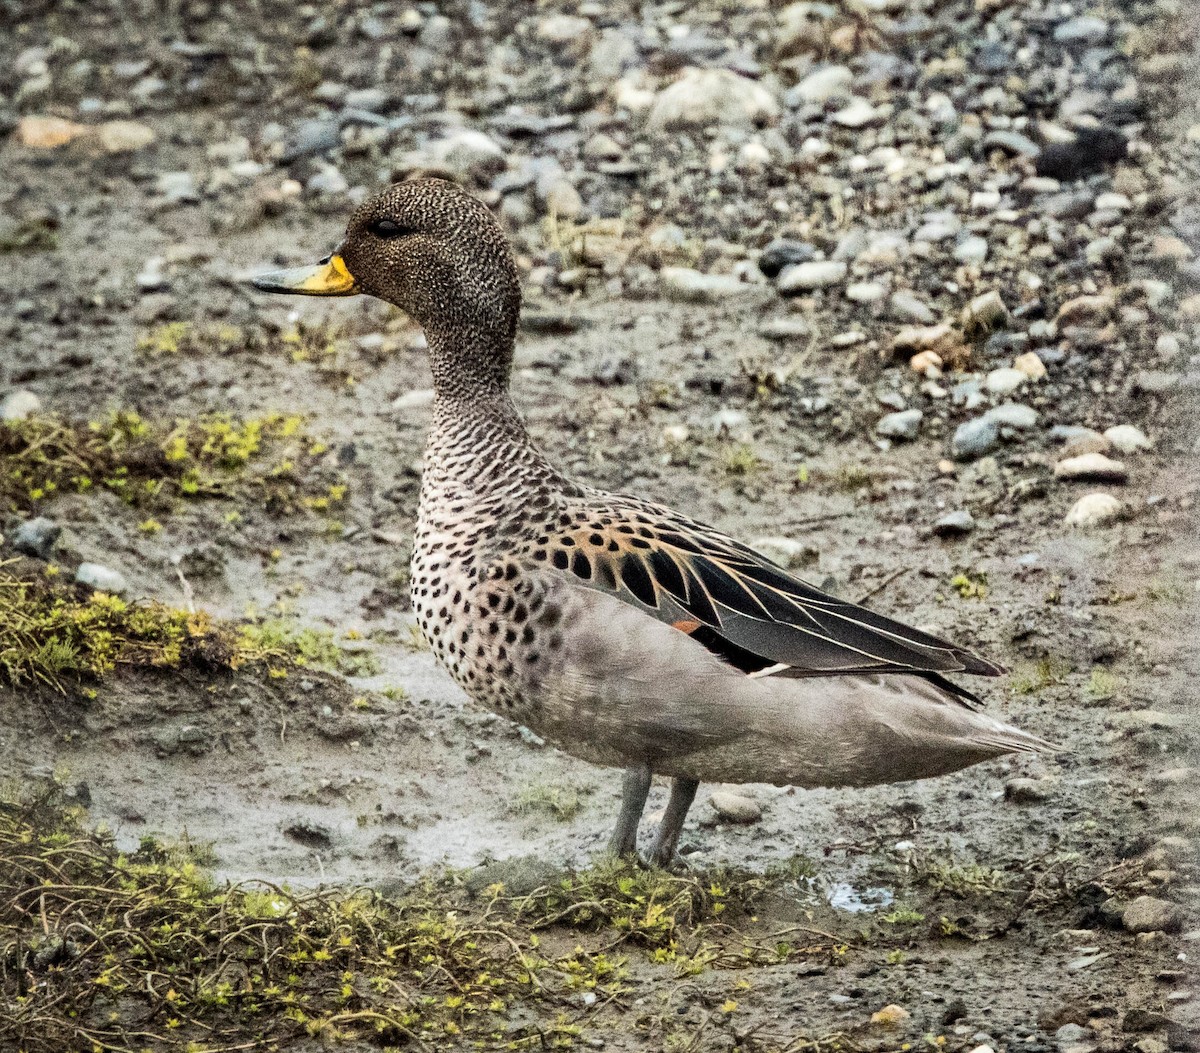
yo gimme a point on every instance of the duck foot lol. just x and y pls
(666, 842)
(635, 787)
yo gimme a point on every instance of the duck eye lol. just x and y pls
(387, 228)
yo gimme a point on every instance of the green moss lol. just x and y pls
(562, 803)
(970, 585)
(57, 634)
(318, 648)
(1044, 673)
(740, 460)
(31, 235)
(152, 464)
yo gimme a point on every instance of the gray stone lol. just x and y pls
(857, 113)
(684, 283)
(1148, 914)
(1093, 510)
(1091, 466)
(908, 307)
(972, 250)
(974, 438)
(1026, 791)
(20, 404)
(1084, 29)
(703, 97)
(866, 292)
(818, 274)
(954, 524)
(36, 537)
(783, 252)
(1127, 438)
(101, 578)
(1011, 143)
(1004, 381)
(821, 85)
(903, 425)
(327, 180)
(734, 808)
(1013, 415)
(177, 187)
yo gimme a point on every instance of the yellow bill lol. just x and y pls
(330, 277)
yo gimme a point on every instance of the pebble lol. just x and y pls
(786, 551)
(1013, 415)
(36, 537)
(985, 313)
(1148, 914)
(954, 524)
(908, 307)
(1086, 310)
(327, 180)
(153, 276)
(1091, 466)
(734, 808)
(890, 1017)
(1093, 510)
(972, 251)
(866, 292)
(418, 398)
(857, 113)
(19, 405)
(1031, 365)
(782, 252)
(703, 97)
(1127, 439)
(101, 578)
(903, 425)
(1004, 381)
(684, 283)
(468, 153)
(818, 274)
(177, 187)
(121, 137)
(1091, 151)
(821, 85)
(1026, 791)
(974, 438)
(1084, 29)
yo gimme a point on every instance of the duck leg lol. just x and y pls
(635, 787)
(683, 793)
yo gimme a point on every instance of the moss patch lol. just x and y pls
(153, 465)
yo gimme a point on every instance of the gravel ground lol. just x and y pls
(904, 293)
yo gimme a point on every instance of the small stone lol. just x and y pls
(702, 97)
(857, 113)
(1148, 914)
(177, 187)
(1004, 381)
(1091, 151)
(972, 251)
(36, 537)
(974, 438)
(786, 551)
(1093, 510)
(985, 313)
(1127, 439)
(1026, 791)
(891, 1017)
(1031, 365)
(46, 133)
(1086, 310)
(1085, 29)
(734, 808)
(908, 307)
(1013, 415)
(866, 292)
(692, 286)
(818, 274)
(1091, 466)
(121, 137)
(327, 180)
(927, 363)
(101, 578)
(926, 338)
(153, 275)
(19, 404)
(418, 398)
(954, 524)
(903, 425)
(782, 252)
(1011, 142)
(822, 85)
(468, 154)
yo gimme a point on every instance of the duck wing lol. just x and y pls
(736, 602)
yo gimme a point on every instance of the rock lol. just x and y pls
(954, 524)
(177, 187)
(468, 154)
(1013, 415)
(36, 537)
(101, 578)
(1011, 143)
(1031, 365)
(19, 405)
(327, 180)
(866, 292)
(1072, 1038)
(903, 425)
(793, 327)
(938, 338)
(703, 97)
(984, 313)
(973, 438)
(857, 113)
(786, 551)
(1004, 381)
(734, 808)
(1026, 791)
(972, 250)
(1085, 29)
(418, 398)
(1092, 150)
(1086, 310)
(1127, 439)
(1148, 914)
(927, 363)
(783, 252)
(46, 133)
(153, 275)
(818, 274)
(692, 286)
(1093, 510)
(908, 307)
(123, 137)
(1091, 466)
(821, 85)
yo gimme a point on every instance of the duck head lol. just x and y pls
(434, 251)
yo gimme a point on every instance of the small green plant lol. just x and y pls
(1101, 686)
(970, 585)
(30, 235)
(1044, 673)
(740, 460)
(560, 802)
(903, 916)
(318, 648)
(852, 477)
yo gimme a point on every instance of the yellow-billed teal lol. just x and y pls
(624, 632)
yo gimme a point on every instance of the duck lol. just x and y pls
(623, 632)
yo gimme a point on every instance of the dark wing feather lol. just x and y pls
(741, 605)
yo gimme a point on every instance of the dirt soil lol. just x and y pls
(379, 779)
